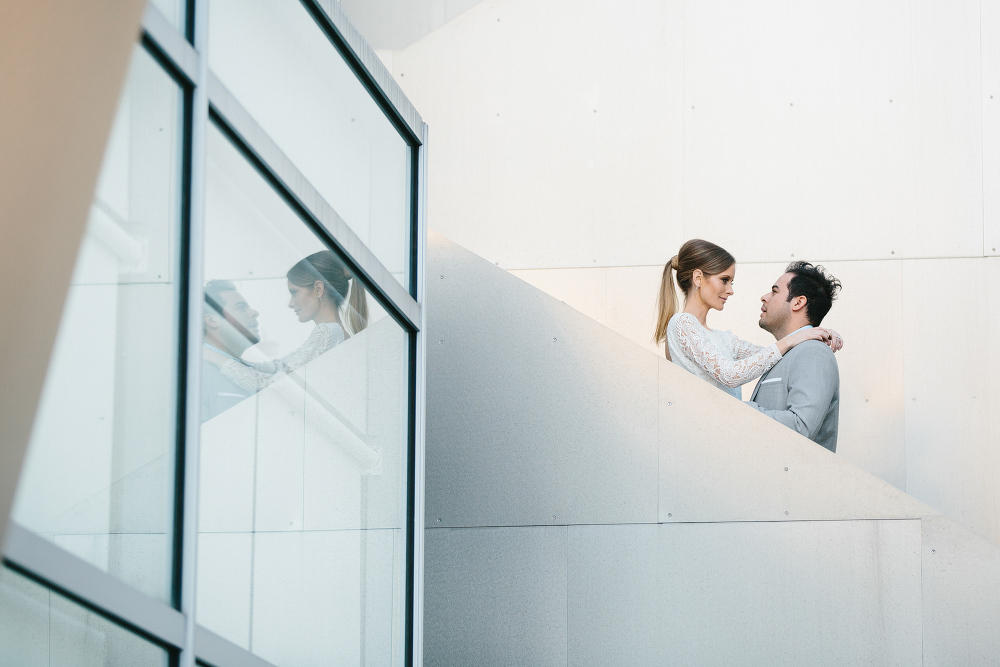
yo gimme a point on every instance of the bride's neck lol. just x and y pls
(327, 315)
(697, 308)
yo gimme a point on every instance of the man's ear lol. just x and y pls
(798, 303)
(211, 321)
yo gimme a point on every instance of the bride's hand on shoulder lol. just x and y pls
(835, 342)
(801, 336)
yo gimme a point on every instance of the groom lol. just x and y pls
(802, 390)
(230, 328)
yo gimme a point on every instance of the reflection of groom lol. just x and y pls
(230, 328)
(802, 390)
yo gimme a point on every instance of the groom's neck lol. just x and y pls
(226, 346)
(791, 327)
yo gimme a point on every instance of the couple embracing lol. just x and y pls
(800, 383)
(318, 287)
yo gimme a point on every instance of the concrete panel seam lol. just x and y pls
(673, 523)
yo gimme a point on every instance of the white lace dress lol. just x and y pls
(719, 357)
(255, 375)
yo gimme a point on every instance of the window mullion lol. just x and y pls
(194, 335)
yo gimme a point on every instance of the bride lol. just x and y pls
(319, 286)
(705, 274)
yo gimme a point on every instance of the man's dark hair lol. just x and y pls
(213, 294)
(816, 285)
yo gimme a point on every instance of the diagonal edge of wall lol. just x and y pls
(537, 415)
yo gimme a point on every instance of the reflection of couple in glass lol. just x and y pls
(321, 287)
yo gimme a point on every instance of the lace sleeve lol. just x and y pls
(696, 344)
(745, 348)
(256, 375)
(250, 377)
(322, 339)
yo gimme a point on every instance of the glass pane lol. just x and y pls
(303, 441)
(174, 10)
(98, 479)
(40, 628)
(281, 67)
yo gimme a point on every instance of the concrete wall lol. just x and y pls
(590, 503)
(579, 143)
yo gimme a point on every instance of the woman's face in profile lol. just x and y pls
(717, 288)
(304, 301)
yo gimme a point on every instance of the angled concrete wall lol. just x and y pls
(589, 503)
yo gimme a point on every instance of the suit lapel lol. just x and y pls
(761, 380)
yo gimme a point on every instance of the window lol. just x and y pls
(245, 311)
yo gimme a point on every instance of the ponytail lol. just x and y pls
(357, 307)
(666, 305)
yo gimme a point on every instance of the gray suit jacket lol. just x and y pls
(802, 391)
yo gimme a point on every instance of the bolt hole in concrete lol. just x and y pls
(669, 514)
(786, 512)
(786, 470)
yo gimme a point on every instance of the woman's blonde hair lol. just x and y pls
(695, 254)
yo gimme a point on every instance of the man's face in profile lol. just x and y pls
(775, 310)
(240, 316)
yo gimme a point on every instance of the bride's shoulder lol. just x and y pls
(684, 320)
(329, 331)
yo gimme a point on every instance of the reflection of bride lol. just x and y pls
(319, 285)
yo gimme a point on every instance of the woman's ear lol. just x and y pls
(318, 289)
(697, 276)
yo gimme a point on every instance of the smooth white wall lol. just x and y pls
(579, 143)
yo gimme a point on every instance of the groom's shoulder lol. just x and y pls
(812, 352)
